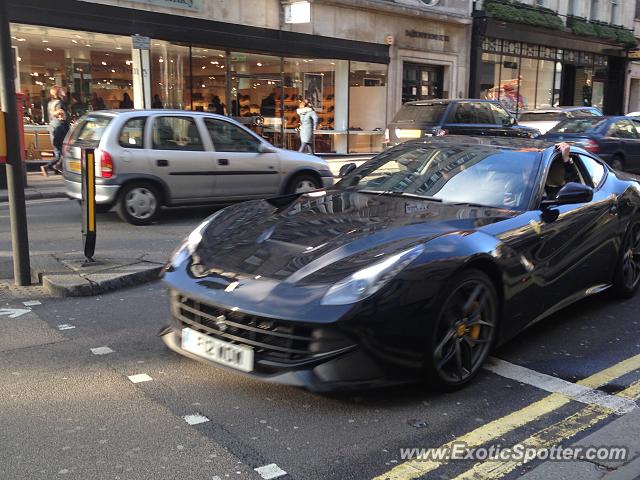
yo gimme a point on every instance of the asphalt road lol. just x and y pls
(69, 413)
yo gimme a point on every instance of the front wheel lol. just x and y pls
(139, 203)
(617, 163)
(627, 277)
(303, 183)
(463, 332)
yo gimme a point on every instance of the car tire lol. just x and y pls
(303, 183)
(139, 203)
(626, 279)
(462, 335)
(617, 163)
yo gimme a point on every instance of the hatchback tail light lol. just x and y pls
(590, 146)
(104, 164)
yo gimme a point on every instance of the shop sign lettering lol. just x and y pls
(427, 35)
(192, 5)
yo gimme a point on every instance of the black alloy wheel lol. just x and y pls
(464, 330)
(627, 277)
(617, 163)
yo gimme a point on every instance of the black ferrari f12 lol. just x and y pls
(413, 267)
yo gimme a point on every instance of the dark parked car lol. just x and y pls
(615, 139)
(413, 267)
(544, 119)
(428, 118)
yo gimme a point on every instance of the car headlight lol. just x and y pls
(369, 280)
(189, 244)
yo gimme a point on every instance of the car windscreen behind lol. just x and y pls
(90, 129)
(541, 117)
(577, 125)
(427, 114)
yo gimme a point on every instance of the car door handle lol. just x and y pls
(223, 161)
(162, 163)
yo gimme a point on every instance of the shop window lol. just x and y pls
(528, 74)
(208, 78)
(325, 84)
(545, 85)
(367, 106)
(490, 76)
(132, 133)
(176, 133)
(170, 75)
(93, 69)
(227, 137)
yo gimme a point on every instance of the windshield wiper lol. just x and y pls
(392, 193)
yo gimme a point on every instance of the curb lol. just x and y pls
(72, 285)
(35, 195)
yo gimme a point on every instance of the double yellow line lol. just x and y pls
(548, 437)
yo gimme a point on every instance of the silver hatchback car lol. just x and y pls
(146, 159)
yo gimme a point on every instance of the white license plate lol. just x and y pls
(235, 356)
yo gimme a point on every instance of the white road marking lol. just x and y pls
(141, 377)
(552, 384)
(32, 303)
(14, 312)
(65, 326)
(270, 471)
(101, 350)
(195, 419)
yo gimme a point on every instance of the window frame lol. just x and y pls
(249, 135)
(144, 126)
(578, 160)
(191, 118)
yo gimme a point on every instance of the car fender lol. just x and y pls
(121, 179)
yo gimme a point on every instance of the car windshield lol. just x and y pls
(421, 114)
(541, 116)
(479, 174)
(577, 125)
(90, 129)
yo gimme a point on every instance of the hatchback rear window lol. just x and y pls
(420, 114)
(577, 125)
(541, 116)
(90, 129)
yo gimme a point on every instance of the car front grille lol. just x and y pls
(271, 339)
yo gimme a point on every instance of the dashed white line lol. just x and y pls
(195, 419)
(141, 377)
(580, 393)
(270, 471)
(101, 350)
(32, 303)
(66, 326)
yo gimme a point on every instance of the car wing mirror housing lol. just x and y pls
(570, 194)
(346, 169)
(265, 148)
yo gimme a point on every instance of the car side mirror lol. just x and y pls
(570, 194)
(346, 169)
(265, 148)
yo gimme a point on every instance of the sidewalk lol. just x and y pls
(39, 186)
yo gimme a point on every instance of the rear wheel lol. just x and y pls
(627, 276)
(617, 163)
(139, 203)
(303, 183)
(464, 330)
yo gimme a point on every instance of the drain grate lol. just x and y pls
(11, 292)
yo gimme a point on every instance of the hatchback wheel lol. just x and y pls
(463, 332)
(617, 163)
(139, 203)
(303, 183)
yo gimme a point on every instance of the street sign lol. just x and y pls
(139, 42)
(88, 203)
(297, 12)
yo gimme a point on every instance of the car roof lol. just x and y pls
(153, 111)
(505, 143)
(437, 101)
(557, 109)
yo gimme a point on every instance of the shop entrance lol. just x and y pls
(421, 82)
(582, 86)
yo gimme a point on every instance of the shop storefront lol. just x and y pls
(99, 70)
(527, 68)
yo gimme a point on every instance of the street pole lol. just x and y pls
(15, 175)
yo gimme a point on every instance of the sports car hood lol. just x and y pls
(323, 237)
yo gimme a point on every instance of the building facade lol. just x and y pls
(547, 53)
(356, 60)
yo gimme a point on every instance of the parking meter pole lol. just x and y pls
(15, 175)
(89, 203)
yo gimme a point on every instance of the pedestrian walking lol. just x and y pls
(57, 114)
(126, 101)
(308, 123)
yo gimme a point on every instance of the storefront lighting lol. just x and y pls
(259, 64)
(45, 41)
(203, 85)
(113, 71)
(221, 55)
(48, 49)
(161, 60)
(88, 45)
(22, 39)
(203, 67)
(214, 63)
(74, 41)
(118, 48)
(19, 59)
(104, 63)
